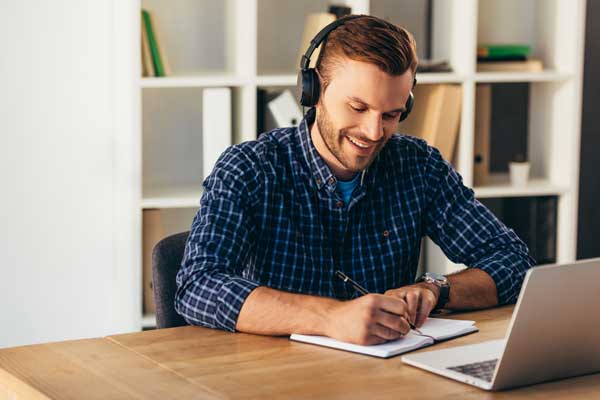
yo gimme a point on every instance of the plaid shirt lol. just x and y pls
(270, 215)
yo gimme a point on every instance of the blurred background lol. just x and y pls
(113, 112)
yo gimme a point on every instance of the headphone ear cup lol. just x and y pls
(309, 87)
(409, 106)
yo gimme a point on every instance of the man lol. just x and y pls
(279, 215)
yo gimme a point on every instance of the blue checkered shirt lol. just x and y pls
(270, 215)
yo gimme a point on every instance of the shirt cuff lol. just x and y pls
(232, 296)
(508, 273)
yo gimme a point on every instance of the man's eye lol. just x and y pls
(359, 110)
(390, 116)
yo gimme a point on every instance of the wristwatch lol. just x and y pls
(441, 282)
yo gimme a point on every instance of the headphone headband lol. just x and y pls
(319, 37)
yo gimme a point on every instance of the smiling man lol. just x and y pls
(343, 192)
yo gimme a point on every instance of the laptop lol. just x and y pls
(554, 333)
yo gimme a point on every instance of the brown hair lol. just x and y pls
(368, 39)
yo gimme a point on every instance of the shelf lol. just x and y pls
(148, 321)
(425, 77)
(277, 80)
(204, 80)
(500, 187)
(542, 76)
(172, 197)
(220, 80)
(439, 77)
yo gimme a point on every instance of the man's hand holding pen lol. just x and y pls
(368, 320)
(421, 298)
(374, 318)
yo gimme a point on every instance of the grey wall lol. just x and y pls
(589, 191)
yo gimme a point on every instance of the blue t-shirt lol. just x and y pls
(347, 187)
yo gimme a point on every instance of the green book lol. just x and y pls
(156, 60)
(502, 51)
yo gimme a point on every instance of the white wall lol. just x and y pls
(67, 269)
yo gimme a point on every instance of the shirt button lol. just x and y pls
(319, 181)
(386, 233)
(331, 180)
(339, 203)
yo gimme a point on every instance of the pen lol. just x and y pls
(346, 279)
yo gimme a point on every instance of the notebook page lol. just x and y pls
(407, 343)
(442, 329)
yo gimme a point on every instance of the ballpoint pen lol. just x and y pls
(346, 279)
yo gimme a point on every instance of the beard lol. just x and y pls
(340, 147)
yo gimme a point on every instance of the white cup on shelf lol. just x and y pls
(519, 173)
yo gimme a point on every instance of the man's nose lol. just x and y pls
(373, 128)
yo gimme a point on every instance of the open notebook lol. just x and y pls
(439, 330)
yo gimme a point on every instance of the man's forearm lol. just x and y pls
(273, 312)
(471, 289)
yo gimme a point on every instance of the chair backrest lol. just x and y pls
(166, 261)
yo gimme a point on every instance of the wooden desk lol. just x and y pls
(193, 362)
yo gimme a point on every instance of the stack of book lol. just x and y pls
(506, 57)
(435, 116)
(154, 60)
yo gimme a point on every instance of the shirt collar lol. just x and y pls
(320, 173)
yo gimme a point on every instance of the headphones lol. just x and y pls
(308, 80)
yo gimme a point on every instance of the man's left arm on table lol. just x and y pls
(468, 233)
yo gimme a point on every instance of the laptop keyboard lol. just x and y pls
(481, 369)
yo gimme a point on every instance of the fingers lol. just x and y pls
(419, 302)
(393, 305)
(426, 304)
(384, 332)
(421, 318)
(413, 299)
(394, 322)
(373, 339)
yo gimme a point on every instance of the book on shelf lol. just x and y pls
(503, 51)
(152, 233)
(160, 64)
(216, 126)
(434, 330)
(506, 58)
(509, 124)
(530, 65)
(147, 63)
(436, 116)
(483, 122)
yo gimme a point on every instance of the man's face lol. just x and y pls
(357, 114)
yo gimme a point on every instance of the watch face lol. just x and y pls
(437, 277)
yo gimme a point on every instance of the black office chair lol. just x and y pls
(166, 261)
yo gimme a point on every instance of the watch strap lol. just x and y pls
(444, 289)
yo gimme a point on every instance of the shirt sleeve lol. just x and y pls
(211, 288)
(469, 233)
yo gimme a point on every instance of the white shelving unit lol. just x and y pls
(251, 44)
(555, 29)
